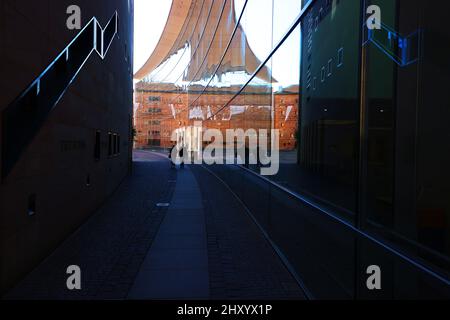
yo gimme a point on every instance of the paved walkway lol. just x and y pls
(242, 264)
(176, 266)
(165, 234)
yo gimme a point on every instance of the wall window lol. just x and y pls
(97, 146)
(110, 144)
(154, 110)
(154, 132)
(154, 99)
(113, 144)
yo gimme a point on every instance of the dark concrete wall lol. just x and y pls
(32, 33)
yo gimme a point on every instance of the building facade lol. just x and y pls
(66, 145)
(160, 113)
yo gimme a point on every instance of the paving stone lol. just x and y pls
(119, 232)
(205, 248)
(241, 262)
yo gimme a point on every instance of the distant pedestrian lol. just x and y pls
(172, 161)
(181, 154)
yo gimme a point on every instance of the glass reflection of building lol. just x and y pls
(363, 175)
(197, 79)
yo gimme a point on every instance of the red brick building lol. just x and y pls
(171, 90)
(161, 109)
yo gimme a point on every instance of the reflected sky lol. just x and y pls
(278, 16)
(263, 24)
(147, 31)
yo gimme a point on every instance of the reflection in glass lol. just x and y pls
(407, 166)
(368, 148)
(330, 104)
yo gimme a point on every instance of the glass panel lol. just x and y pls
(407, 190)
(286, 75)
(257, 26)
(255, 116)
(174, 67)
(330, 104)
(329, 257)
(250, 45)
(284, 14)
(381, 99)
(209, 52)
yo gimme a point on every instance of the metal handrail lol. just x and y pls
(23, 118)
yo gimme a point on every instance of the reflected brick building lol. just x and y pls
(187, 78)
(161, 109)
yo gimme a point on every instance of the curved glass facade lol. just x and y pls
(361, 178)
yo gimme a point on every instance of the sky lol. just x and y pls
(150, 17)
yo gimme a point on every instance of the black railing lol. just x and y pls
(24, 117)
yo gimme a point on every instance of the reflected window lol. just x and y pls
(340, 60)
(330, 68)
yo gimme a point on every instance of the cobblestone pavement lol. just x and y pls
(111, 247)
(242, 263)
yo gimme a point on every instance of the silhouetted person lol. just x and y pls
(181, 154)
(172, 161)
